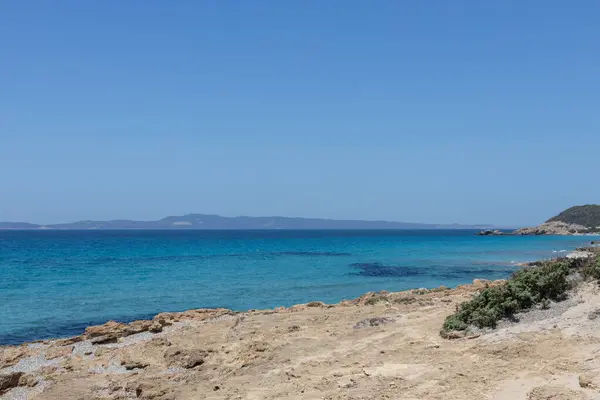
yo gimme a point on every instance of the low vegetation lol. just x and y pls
(536, 285)
(588, 216)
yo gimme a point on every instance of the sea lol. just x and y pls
(55, 283)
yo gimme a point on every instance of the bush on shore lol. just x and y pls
(539, 284)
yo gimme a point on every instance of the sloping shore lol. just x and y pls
(381, 345)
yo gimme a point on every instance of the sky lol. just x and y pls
(433, 112)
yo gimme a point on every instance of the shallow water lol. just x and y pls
(55, 283)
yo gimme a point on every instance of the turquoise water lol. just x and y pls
(55, 283)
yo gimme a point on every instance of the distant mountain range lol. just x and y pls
(203, 221)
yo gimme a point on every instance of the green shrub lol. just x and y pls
(405, 300)
(591, 268)
(376, 299)
(523, 290)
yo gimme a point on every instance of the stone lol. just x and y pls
(48, 369)
(552, 228)
(490, 232)
(156, 327)
(9, 381)
(185, 358)
(111, 328)
(594, 314)
(160, 341)
(139, 326)
(58, 351)
(315, 304)
(588, 381)
(149, 390)
(481, 283)
(119, 329)
(133, 364)
(200, 314)
(28, 380)
(375, 321)
(11, 355)
(68, 341)
(550, 392)
(453, 334)
(105, 339)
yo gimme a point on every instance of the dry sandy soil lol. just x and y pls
(352, 350)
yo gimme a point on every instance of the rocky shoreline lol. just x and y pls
(547, 228)
(44, 369)
(384, 343)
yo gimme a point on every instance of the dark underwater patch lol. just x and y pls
(381, 270)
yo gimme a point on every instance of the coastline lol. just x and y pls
(161, 319)
(382, 341)
(112, 331)
(36, 364)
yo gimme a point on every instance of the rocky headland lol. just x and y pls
(578, 220)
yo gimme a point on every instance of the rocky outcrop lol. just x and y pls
(185, 358)
(111, 331)
(553, 228)
(58, 351)
(200, 314)
(11, 355)
(490, 232)
(9, 381)
(578, 220)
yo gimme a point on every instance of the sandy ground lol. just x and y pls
(376, 347)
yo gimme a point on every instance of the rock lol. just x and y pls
(9, 381)
(58, 351)
(105, 339)
(346, 383)
(589, 381)
(160, 341)
(553, 228)
(481, 283)
(185, 358)
(200, 314)
(11, 355)
(48, 369)
(315, 304)
(490, 232)
(375, 321)
(111, 328)
(453, 334)
(139, 326)
(68, 341)
(149, 390)
(133, 364)
(162, 322)
(293, 328)
(579, 255)
(156, 327)
(28, 380)
(550, 392)
(594, 314)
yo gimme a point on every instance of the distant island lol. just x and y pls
(206, 222)
(577, 220)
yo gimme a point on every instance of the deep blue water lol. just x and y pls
(55, 283)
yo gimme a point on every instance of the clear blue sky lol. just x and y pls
(437, 111)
